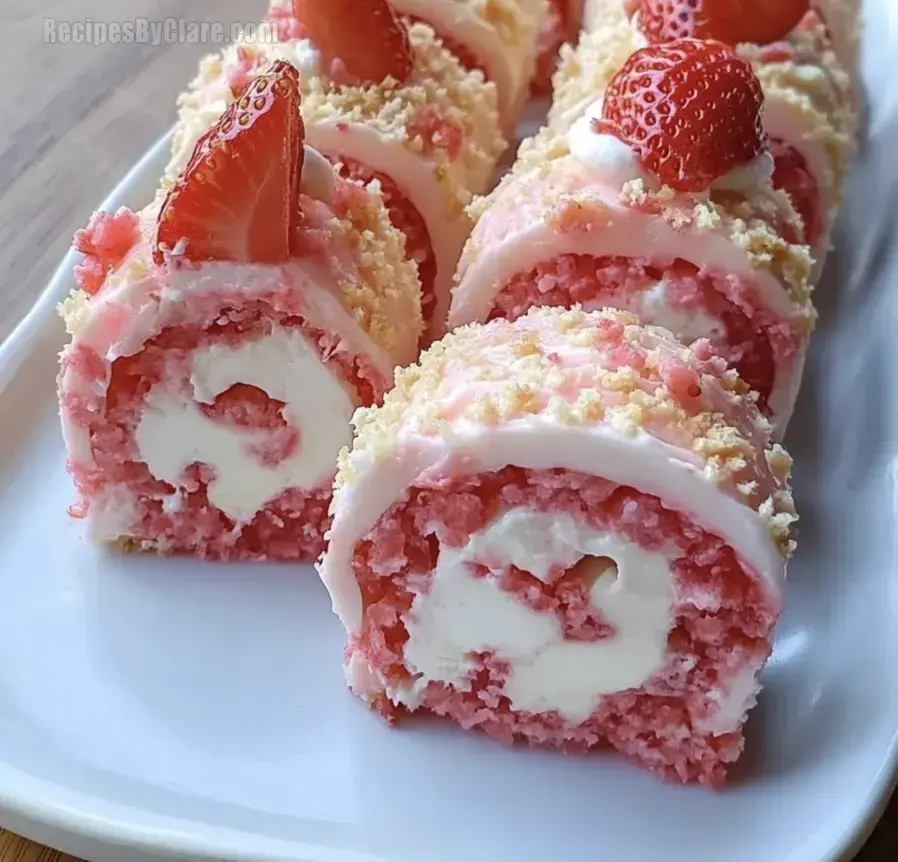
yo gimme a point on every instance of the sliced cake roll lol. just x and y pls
(568, 530)
(222, 338)
(659, 201)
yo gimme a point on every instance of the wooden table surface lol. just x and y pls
(75, 118)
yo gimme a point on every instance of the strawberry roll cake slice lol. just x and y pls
(809, 112)
(663, 207)
(223, 337)
(495, 37)
(382, 101)
(569, 530)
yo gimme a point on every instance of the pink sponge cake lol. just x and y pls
(223, 337)
(561, 27)
(496, 37)
(383, 102)
(810, 112)
(671, 216)
(569, 530)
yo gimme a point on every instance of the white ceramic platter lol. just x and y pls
(165, 708)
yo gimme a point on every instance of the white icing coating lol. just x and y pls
(629, 233)
(448, 228)
(641, 461)
(462, 614)
(510, 65)
(174, 433)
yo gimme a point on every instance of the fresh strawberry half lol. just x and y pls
(690, 110)
(362, 38)
(237, 199)
(729, 21)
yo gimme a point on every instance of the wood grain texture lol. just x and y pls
(74, 119)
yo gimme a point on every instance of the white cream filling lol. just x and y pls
(641, 461)
(463, 614)
(652, 307)
(174, 433)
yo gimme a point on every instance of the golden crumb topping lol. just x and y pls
(75, 311)
(386, 299)
(562, 366)
(446, 113)
(558, 190)
(443, 113)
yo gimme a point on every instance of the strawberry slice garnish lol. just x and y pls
(690, 111)
(729, 21)
(237, 199)
(362, 40)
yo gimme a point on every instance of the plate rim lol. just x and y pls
(36, 804)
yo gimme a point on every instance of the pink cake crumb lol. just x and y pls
(722, 621)
(750, 339)
(792, 175)
(290, 527)
(104, 243)
(435, 132)
(556, 31)
(406, 218)
(465, 56)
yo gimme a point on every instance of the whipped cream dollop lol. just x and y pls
(174, 433)
(462, 614)
(302, 54)
(602, 150)
(620, 164)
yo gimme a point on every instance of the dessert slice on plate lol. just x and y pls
(569, 530)
(223, 337)
(810, 108)
(382, 101)
(496, 37)
(662, 204)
